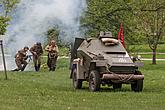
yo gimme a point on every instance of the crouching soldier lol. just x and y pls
(52, 50)
(20, 59)
(37, 51)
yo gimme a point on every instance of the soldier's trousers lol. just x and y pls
(37, 62)
(52, 63)
(21, 64)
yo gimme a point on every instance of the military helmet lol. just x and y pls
(38, 43)
(26, 47)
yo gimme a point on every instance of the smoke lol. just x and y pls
(33, 18)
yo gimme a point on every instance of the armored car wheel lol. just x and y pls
(94, 81)
(77, 83)
(137, 86)
(117, 86)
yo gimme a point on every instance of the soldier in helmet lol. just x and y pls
(20, 59)
(37, 51)
(52, 50)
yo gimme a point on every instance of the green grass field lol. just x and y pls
(158, 56)
(146, 48)
(53, 91)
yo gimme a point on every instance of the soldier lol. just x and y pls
(52, 50)
(20, 59)
(37, 51)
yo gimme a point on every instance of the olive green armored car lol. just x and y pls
(103, 61)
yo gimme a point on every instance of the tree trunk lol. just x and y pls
(154, 56)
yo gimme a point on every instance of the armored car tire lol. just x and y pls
(94, 81)
(77, 83)
(117, 85)
(137, 86)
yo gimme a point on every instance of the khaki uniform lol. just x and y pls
(20, 60)
(52, 56)
(37, 51)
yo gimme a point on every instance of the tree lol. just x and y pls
(6, 6)
(106, 15)
(101, 15)
(3, 24)
(143, 20)
(53, 34)
(152, 18)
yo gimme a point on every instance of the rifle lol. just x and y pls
(29, 57)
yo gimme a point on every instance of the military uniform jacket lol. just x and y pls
(53, 50)
(36, 48)
(21, 55)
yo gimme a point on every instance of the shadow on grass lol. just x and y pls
(102, 89)
(123, 89)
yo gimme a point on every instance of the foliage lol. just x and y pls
(153, 20)
(151, 16)
(7, 7)
(143, 20)
(3, 24)
(97, 16)
(53, 34)
(106, 15)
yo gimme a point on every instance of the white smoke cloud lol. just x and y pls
(33, 18)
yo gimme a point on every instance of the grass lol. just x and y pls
(159, 56)
(139, 49)
(53, 91)
(146, 48)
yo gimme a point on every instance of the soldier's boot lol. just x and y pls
(39, 65)
(36, 68)
(23, 68)
(53, 69)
